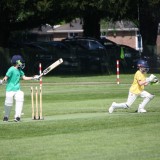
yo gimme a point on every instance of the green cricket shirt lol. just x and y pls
(13, 82)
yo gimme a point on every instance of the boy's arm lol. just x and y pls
(143, 83)
(36, 77)
(5, 79)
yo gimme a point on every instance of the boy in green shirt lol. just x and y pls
(13, 92)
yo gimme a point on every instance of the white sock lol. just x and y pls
(120, 105)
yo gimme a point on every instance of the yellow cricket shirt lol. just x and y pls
(135, 87)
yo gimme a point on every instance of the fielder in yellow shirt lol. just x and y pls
(137, 89)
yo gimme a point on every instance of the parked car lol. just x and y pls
(48, 52)
(90, 52)
(60, 50)
(80, 55)
(128, 62)
(131, 56)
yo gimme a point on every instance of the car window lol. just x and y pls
(129, 52)
(128, 55)
(84, 43)
(94, 45)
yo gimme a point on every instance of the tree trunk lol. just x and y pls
(91, 24)
(148, 29)
(4, 32)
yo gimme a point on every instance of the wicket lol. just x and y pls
(36, 107)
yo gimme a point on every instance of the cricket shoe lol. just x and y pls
(112, 107)
(141, 110)
(17, 119)
(5, 119)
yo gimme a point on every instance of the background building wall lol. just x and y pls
(123, 37)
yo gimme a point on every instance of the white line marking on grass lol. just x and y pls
(76, 116)
(59, 117)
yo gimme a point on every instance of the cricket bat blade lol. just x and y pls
(52, 66)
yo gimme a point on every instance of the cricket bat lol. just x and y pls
(51, 67)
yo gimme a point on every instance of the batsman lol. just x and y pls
(13, 91)
(137, 89)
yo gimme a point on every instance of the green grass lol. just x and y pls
(77, 124)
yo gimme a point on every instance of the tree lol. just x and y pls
(144, 13)
(93, 11)
(26, 14)
(149, 18)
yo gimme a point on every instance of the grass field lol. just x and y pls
(77, 125)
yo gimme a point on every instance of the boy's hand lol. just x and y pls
(36, 77)
(152, 79)
(1, 82)
(155, 81)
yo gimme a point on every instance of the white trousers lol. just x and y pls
(144, 94)
(132, 97)
(18, 96)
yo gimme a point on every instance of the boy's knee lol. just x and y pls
(19, 96)
(151, 96)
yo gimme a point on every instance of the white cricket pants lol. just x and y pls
(18, 96)
(132, 97)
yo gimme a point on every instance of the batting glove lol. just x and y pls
(151, 78)
(36, 77)
(155, 80)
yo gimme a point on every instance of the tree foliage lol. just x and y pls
(26, 14)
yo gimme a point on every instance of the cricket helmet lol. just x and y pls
(18, 60)
(143, 65)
